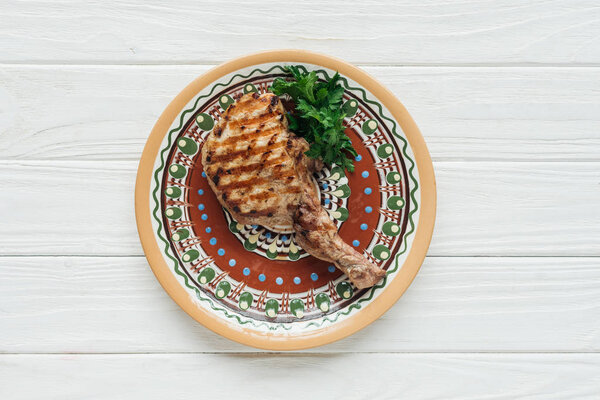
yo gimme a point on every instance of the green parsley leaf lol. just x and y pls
(318, 115)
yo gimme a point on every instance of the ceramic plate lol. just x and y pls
(255, 284)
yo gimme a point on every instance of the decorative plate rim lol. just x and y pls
(390, 293)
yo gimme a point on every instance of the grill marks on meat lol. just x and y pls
(249, 161)
(259, 172)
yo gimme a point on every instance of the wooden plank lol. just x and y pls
(152, 31)
(347, 376)
(518, 209)
(81, 208)
(107, 112)
(114, 304)
(484, 208)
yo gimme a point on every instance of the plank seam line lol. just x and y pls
(183, 63)
(303, 353)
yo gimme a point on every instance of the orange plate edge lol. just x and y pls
(393, 290)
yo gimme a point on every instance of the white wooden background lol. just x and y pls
(507, 95)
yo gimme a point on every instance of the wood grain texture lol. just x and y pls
(484, 208)
(502, 114)
(365, 376)
(114, 305)
(370, 31)
(507, 95)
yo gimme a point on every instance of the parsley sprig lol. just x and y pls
(318, 116)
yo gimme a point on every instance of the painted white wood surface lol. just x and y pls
(507, 95)
(369, 31)
(484, 208)
(380, 376)
(456, 304)
(485, 114)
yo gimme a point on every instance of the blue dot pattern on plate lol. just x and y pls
(358, 157)
(365, 174)
(200, 192)
(213, 241)
(368, 190)
(221, 252)
(284, 238)
(314, 276)
(368, 209)
(200, 207)
(327, 201)
(331, 268)
(279, 281)
(203, 174)
(208, 229)
(325, 186)
(297, 280)
(355, 243)
(254, 226)
(204, 217)
(363, 227)
(232, 264)
(268, 235)
(246, 272)
(262, 277)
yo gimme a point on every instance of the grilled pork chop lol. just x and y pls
(259, 172)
